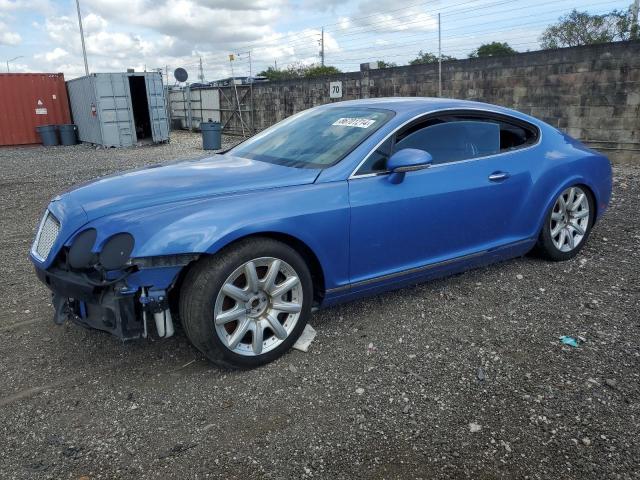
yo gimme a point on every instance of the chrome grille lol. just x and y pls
(46, 237)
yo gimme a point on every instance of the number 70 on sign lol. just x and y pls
(335, 89)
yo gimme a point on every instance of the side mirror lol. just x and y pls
(407, 160)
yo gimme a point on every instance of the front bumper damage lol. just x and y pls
(121, 307)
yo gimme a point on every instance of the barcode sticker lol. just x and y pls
(354, 122)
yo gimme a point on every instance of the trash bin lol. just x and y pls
(48, 135)
(211, 135)
(68, 134)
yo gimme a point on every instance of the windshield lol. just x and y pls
(316, 138)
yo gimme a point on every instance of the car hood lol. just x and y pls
(156, 185)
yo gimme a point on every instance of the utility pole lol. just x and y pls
(322, 47)
(84, 50)
(439, 58)
(201, 76)
(634, 20)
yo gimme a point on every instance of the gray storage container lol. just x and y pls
(211, 135)
(48, 135)
(119, 109)
(68, 134)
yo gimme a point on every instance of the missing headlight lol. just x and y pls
(80, 254)
(117, 251)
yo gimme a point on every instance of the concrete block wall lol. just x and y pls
(591, 92)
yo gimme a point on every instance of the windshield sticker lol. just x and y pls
(354, 122)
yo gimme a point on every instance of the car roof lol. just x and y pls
(413, 105)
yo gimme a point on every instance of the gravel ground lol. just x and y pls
(462, 377)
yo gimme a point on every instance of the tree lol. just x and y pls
(383, 64)
(582, 28)
(273, 74)
(493, 49)
(317, 70)
(428, 57)
(299, 70)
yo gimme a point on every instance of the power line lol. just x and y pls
(465, 28)
(381, 12)
(303, 41)
(307, 45)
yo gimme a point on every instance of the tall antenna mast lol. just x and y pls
(201, 72)
(84, 50)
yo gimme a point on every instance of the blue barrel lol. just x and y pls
(211, 135)
(48, 135)
(68, 134)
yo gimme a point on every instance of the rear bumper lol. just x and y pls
(114, 309)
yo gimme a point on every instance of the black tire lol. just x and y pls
(203, 283)
(547, 248)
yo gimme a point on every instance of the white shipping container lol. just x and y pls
(119, 109)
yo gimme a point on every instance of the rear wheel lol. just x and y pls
(567, 224)
(247, 305)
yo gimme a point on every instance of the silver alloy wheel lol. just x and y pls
(258, 306)
(569, 219)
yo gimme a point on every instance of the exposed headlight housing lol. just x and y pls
(80, 255)
(116, 251)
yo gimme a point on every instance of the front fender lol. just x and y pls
(315, 214)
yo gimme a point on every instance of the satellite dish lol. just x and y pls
(180, 74)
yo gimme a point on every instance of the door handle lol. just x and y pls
(498, 176)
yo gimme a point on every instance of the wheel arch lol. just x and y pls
(306, 252)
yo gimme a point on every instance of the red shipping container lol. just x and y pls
(28, 100)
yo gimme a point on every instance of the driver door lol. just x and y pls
(463, 204)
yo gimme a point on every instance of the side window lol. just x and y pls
(454, 137)
(377, 161)
(515, 136)
(452, 141)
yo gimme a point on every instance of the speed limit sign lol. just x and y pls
(335, 89)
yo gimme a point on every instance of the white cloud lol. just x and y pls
(61, 30)
(140, 34)
(52, 56)
(7, 37)
(344, 23)
(8, 5)
(41, 6)
(93, 23)
(10, 38)
(323, 5)
(396, 18)
(201, 22)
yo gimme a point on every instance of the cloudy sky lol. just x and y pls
(163, 34)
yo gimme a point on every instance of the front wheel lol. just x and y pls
(567, 224)
(247, 305)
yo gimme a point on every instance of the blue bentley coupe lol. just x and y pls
(335, 203)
